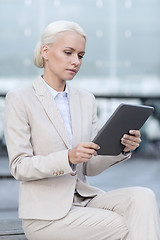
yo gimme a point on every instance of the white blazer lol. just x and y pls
(38, 144)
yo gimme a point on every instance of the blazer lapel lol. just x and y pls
(75, 111)
(51, 110)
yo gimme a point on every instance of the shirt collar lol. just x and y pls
(53, 91)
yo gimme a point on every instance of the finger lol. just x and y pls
(89, 151)
(133, 142)
(83, 158)
(136, 133)
(84, 150)
(131, 138)
(130, 144)
(85, 155)
(91, 145)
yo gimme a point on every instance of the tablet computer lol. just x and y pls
(126, 117)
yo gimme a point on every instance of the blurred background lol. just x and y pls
(122, 64)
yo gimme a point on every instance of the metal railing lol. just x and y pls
(148, 100)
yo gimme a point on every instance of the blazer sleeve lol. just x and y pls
(98, 164)
(24, 166)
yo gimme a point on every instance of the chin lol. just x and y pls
(69, 79)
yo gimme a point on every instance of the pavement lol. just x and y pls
(134, 172)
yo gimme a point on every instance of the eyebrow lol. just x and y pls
(74, 49)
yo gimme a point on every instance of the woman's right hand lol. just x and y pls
(82, 152)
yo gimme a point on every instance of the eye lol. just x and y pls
(80, 56)
(68, 53)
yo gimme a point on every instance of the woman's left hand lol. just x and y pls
(131, 142)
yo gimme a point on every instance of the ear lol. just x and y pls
(44, 51)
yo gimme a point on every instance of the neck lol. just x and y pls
(58, 85)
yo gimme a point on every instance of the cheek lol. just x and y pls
(54, 56)
(80, 65)
(55, 62)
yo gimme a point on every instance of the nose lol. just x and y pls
(75, 60)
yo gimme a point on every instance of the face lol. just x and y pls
(63, 59)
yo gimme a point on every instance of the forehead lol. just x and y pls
(70, 39)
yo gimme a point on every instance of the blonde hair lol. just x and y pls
(50, 35)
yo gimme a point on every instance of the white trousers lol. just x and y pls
(123, 214)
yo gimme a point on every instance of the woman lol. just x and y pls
(49, 127)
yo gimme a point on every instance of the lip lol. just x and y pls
(72, 70)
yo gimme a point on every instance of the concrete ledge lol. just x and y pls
(13, 237)
(11, 230)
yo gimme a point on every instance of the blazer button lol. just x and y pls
(74, 173)
(55, 174)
